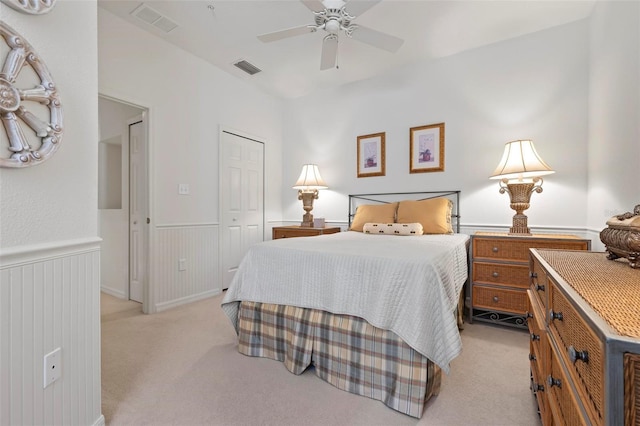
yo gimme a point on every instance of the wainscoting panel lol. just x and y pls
(186, 264)
(50, 298)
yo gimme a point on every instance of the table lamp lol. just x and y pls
(308, 185)
(520, 172)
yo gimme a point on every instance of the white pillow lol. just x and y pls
(393, 228)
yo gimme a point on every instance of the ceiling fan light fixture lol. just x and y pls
(332, 17)
(332, 26)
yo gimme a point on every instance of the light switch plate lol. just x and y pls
(183, 188)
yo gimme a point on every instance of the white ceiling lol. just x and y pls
(291, 67)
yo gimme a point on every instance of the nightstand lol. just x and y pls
(301, 231)
(500, 273)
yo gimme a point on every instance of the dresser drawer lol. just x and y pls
(498, 273)
(515, 249)
(632, 389)
(537, 330)
(582, 351)
(564, 403)
(539, 283)
(500, 299)
(538, 385)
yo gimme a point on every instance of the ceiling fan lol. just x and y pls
(332, 17)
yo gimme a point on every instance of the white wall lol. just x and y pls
(534, 86)
(49, 250)
(188, 100)
(614, 113)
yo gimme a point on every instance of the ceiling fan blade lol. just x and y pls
(357, 8)
(314, 5)
(289, 32)
(376, 38)
(329, 52)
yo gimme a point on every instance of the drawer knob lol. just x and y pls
(554, 382)
(540, 287)
(575, 355)
(495, 275)
(496, 299)
(532, 357)
(533, 275)
(494, 249)
(555, 315)
(537, 387)
(534, 337)
(528, 315)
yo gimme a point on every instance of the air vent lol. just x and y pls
(247, 67)
(155, 18)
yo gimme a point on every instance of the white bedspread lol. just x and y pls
(407, 284)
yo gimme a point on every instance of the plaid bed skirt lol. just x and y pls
(346, 351)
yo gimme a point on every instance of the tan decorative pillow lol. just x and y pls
(374, 213)
(434, 214)
(393, 228)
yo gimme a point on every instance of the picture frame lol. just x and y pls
(426, 148)
(371, 155)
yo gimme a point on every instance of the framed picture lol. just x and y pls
(426, 149)
(371, 155)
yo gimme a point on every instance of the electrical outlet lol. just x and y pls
(182, 264)
(52, 366)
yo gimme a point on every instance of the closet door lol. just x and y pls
(242, 199)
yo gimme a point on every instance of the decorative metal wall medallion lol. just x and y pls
(33, 7)
(31, 117)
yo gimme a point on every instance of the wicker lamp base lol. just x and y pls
(520, 196)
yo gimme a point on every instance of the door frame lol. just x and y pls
(149, 235)
(145, 242)
(257, 139)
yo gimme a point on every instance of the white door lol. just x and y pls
(242, 199)
(137, 210)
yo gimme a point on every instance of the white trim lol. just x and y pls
(16, 256)
(187, 225)
(100, 421)
(297, 221)
(188, 299)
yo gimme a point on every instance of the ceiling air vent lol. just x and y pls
(247, 67)
(153, 17)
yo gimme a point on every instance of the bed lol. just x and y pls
(374, 310)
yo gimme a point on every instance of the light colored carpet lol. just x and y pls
(181, 367)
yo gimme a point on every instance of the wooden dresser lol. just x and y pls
(301, 231)
(500, 273)
(584, 324)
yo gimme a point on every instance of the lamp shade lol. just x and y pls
(310, 178)
(520, 160)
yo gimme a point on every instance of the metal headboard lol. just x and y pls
(389, 197)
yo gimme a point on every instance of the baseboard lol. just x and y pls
(112, 292)
(184, 300)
